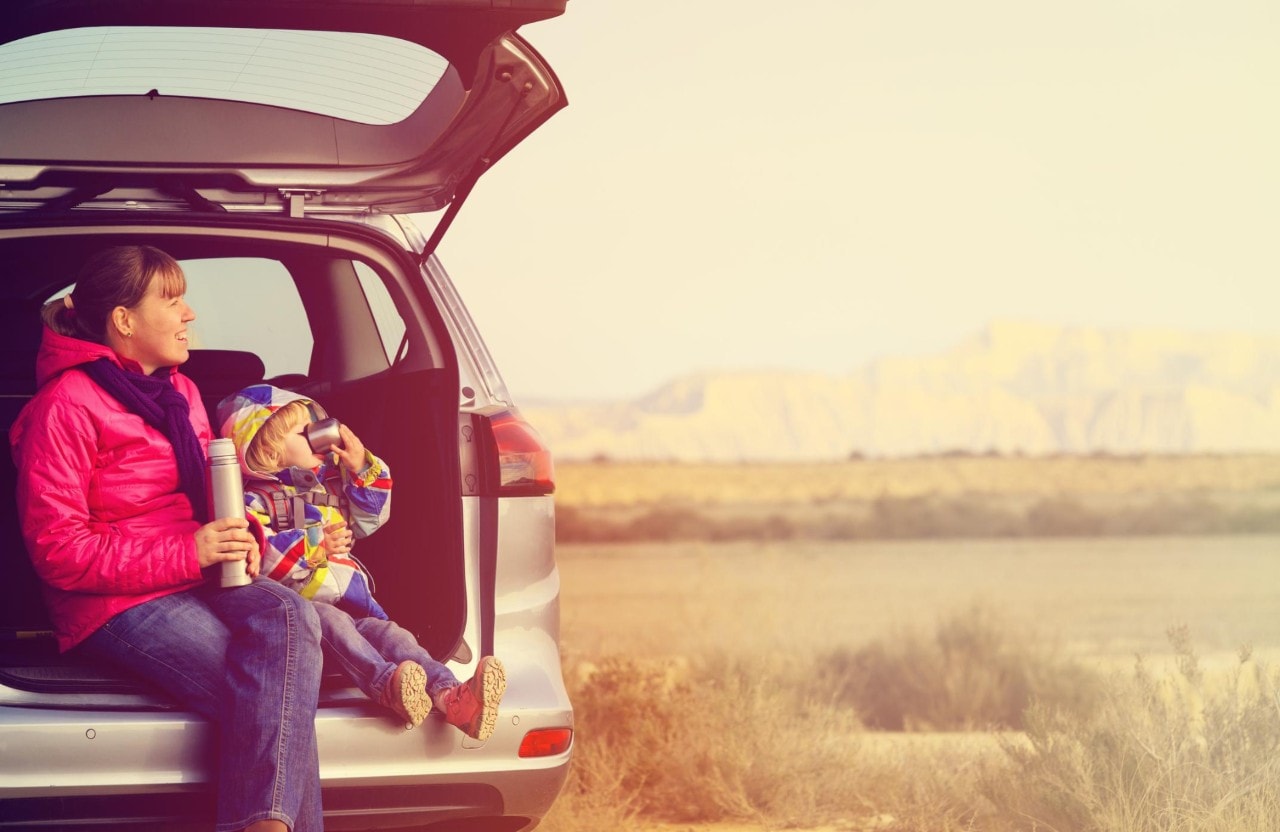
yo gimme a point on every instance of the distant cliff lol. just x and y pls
(1012, 388)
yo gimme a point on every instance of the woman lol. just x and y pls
(111, 465)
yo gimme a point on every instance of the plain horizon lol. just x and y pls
(733, 188)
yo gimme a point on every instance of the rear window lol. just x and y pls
(369, 79)
(249, 303)
(391, 327)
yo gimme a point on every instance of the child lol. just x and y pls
(315, 502)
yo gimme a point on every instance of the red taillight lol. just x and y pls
(524, 463)
(546, 742)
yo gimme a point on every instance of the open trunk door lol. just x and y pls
(286, 106)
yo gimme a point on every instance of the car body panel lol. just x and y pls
(476, 368)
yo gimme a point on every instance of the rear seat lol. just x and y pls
(219, 373)
(22, 610)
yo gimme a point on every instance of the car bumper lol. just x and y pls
(103, 768)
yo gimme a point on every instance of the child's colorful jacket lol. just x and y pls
(294, 555)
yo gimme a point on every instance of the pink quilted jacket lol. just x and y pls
(105, 522)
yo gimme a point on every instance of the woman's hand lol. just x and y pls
(228, 539)
(338, 539)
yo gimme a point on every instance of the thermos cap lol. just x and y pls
(222, 449)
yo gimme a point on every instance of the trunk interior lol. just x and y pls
(371, 349)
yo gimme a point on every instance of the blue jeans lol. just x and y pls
(368, 650)
(248, 659)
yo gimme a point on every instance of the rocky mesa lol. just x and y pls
(1011, 388)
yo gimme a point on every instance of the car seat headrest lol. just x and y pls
(219, 372)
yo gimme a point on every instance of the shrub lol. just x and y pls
(718, 739)
(1064, 517)
(963, 516)
(1174, 753)
(575, 525)
(975, 672)
(707, 740)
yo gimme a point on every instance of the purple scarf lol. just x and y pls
(160, 404)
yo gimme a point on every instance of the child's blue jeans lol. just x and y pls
(249, 659)
(369, 649)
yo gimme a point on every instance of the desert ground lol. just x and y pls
(1100, 599)
(675, 607)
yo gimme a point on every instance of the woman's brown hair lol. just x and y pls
(118, 276)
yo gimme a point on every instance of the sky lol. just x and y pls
(810, 186)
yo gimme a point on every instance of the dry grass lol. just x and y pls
(976, 671)
(725, 740)
(743, 682)
(1176, 751)
(735, 682)
(715, 740)
(707, 740)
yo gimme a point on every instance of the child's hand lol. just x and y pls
(352, 455)
(337, 538)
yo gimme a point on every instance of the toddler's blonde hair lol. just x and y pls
(265, 453)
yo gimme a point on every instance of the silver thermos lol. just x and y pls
(226, 493)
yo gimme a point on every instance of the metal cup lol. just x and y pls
(322, 434)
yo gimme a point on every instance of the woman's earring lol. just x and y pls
(129, 334)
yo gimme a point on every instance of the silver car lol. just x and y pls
(277, 149)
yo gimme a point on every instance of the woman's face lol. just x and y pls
(157, 328)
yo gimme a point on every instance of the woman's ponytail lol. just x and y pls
(60, 316)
